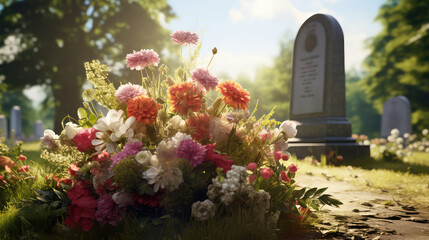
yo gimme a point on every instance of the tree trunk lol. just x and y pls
(67, 92)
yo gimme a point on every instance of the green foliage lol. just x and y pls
(362, 115)
(272, 84)
(74, 32)
(127, 174)
(398, 63)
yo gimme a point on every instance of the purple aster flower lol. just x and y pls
(107, 210)
(184, 37)
(205, 78)
(141, 59)
(129, 91)
(193, 151)
(130, 149)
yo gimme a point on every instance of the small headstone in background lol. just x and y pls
(396, 114)
(318, 103)
(15, 121)
(3, 126)
(38, 129)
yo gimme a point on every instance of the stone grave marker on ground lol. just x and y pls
(38, 129)
(318, 102)
(3, 126)
(15, 121)
(396, 114)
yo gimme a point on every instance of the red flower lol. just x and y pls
(24, 168)
(278, 155)
(221, 161)
(82, 211)
(152, 201)
(200, 125)
(293, 168)
(252, 166)
(73, 169)
(84, 138)
(266, 173)
(22, 157)
(285, 177)
(184, 97)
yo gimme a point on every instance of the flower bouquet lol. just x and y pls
(170, 159)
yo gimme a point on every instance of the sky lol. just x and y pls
(247, 33)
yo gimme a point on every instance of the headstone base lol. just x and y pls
(349, 150)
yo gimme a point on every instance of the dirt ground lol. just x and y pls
(365, 214)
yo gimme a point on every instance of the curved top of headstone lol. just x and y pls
(318, 76)
(16, 107)
(398, 98)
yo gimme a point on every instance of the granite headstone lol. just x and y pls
(318, 102)
(15, 121)
(38, 129)
(3, 126)
(396, 114)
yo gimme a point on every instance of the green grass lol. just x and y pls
(408, 182)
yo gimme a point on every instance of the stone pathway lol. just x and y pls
(364, 214)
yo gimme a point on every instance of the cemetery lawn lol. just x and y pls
(407, 182)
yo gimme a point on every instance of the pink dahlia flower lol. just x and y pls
(205, 78)
(141, 59)
(184, 37)
(129, 91)
(193, 151)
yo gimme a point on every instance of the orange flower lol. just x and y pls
(143, 108)
(200, 125)
(184, 97)
(233, 94)
(7, 163)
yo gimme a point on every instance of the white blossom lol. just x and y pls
(290, 128)
(203, 210)
(71, 130)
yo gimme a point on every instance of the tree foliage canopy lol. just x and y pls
(399, 59)
(58, 36)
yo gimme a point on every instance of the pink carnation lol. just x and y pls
(205, 78)
(266, 173)
(193, 151)
(284, 176)
(84, 138)
(141, 59)
(293, 168)
(278, 155)
(129, 91)
(184, 37)
(107, 210)
(252, 166)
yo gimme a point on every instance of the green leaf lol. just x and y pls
(309, 193)
(299, 193)
(319, 192)
(277, 190)
(302, 203)
(61, 195)
(92, 118)
(81, 113)
(289, 192)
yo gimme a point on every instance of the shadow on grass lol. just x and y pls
(399, 166)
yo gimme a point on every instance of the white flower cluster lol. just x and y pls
(229, 187)
(203, 210)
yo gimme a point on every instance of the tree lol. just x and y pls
(362, 115)
(272, 84)
(58, 36)
(399, 61)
